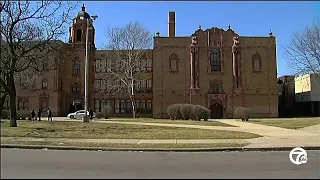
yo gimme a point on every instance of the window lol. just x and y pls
(117, 106)
(44, 105)
(45, 66)
(142, 84)
(98, 84)
(97, 106)
(138, 65)
(79, 32)
(108, 103)
(108, 65)
(123, 106)
(149, 83)
(44, 84)
(173, 62)
(215, 62)
(143, 64)
(143, 104)
(215, 88)
(97, 65)
(256, 62)
(76, 67)
(149, 106)
(149, 65)
(138, 104)
(129, 106)
(102, 104)
(76, 89)
(23, 104)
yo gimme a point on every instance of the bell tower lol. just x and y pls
(78, 30)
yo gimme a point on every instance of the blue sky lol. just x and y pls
(246, 18)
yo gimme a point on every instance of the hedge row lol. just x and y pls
(188, 111)
(22, 114)
(106, 112)
(242, 113)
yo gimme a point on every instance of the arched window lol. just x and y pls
(76, 67)
(76, 88)
(215, 87)
(79, 32)
(44, 84)
(215, 60)
(174, 62)
(256, 62)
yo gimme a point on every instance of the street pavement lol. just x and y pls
(23, 163)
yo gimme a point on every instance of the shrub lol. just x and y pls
(106, 111)
(22, 115)
(5, 114)
(186, 111)
(174, 111)
(99, 115)
(200, 112)
(242, 113)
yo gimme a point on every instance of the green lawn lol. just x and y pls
(98, 130)
(289, 123)
(167, 121)
(123, 145)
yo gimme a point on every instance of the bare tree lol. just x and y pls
(29, 30)
(304, 51)
(127, 67)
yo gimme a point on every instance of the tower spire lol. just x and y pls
(83, 7)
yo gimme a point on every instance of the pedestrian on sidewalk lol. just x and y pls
(49, 113)
(39, 114)
(33, 115)
(91, 114)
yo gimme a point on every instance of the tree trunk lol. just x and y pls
(12, 95)
(133, 104)
(133, 107)
(3, 98)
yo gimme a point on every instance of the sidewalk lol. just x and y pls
(131, 141)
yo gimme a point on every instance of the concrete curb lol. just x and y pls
(19, 146)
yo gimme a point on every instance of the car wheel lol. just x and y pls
(71, 117)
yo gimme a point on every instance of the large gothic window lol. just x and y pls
(256, 62)
(79, 32)
(215, 62)
(76, 67)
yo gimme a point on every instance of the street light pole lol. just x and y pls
(86, 77)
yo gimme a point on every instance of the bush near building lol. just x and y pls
(188, 111)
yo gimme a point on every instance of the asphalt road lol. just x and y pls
(22, 163)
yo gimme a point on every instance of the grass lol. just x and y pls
(97, 130)
(167, 121)
(123, 145)
(289, 123)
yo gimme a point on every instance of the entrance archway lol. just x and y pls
(216, 111)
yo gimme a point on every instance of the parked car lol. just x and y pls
(79, 114)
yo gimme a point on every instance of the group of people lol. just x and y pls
(33, 115)
(49, 113)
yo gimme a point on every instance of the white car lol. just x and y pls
(78, 114)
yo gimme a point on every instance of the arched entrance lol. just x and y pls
(216, 111)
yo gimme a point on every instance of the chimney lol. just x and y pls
(172, 24)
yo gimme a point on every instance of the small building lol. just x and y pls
(307, 94)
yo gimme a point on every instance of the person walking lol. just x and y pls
(39, 114)
(49, 113)
(91, 114)
(33, 115)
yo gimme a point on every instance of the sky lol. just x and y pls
(247, 18)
